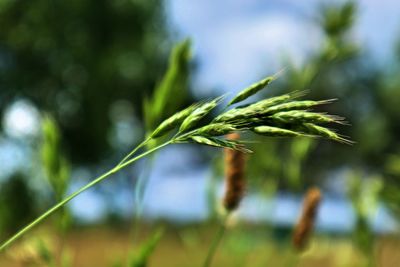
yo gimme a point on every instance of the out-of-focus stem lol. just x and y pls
(215, 244)
(76, 193)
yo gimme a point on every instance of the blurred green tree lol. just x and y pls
(76, 58)
(389, 99)
(17, 205)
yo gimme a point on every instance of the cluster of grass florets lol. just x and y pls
(280, 116)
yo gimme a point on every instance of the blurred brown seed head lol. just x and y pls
(234, 176)
(305, 224)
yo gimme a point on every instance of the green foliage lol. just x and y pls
(172, 91)
(161, 104)
(57, 171)
(45, 254)
(77, 58)
(170, 95)
(391, 192)
(364, 195)
(56, 167)
(216, 172)
(54, 163)
(266, 170)
(255, 117)
(17, 204)
(298, 151)
(336, 20)
(77, 71)
(141, 257)
(322, 75)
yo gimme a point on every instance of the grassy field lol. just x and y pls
(187, 247)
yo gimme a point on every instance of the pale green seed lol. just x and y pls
(275, 131)
(296, 116)
(205, 141)
(198, 114)
(251, 90)
(296, 105)
(324, 132)
(216, 129)
(269, 102)
(173, 121)
(251, 110)
(211, 141)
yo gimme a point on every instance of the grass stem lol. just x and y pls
(60, 204)
(134, 151)
(215, 244)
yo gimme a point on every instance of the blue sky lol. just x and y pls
(237, 42)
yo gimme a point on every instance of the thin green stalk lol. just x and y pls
(140, 189)
(134, 151)
(215, 244)
(371, 259)
(141, 184)
(76, 193)
(292, 259)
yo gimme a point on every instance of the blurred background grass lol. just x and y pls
(97, 72)
(247, 245)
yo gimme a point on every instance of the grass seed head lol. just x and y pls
(198, 114)
(307, 219)
(313, 129)
(299, 116)
(205, 141)
(234, 176)
(216, 142)
(297, 105)
(257, 108)
(275, 131)
(173, 121)
(251, 110)
(251, 90)
(216, 129)
(272, 101)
